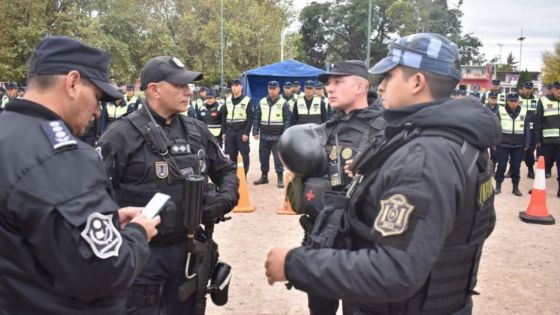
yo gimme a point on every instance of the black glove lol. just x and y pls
(214, 208)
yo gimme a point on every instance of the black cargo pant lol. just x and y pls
(235, 146)
(266, 146)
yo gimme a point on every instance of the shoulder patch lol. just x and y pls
(393, 215)
(59, 135)
(102, 236)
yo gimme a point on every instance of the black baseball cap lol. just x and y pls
(11, 85)
(236, 81)
(211, 94)
(496, 82)
(309, 84)
(492, 95)
(512, 97)
(62, 54)
(528, 85)
(297, 83)
(556, 84)
(344, 68)
(130, 87)
(273, 84)
(166, 68)
(288, 84)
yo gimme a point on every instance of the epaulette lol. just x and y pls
(58, 134)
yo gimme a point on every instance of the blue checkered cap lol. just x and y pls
(425, 51)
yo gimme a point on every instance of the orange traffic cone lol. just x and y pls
(286, 207)
(244, 204)
(537, 211)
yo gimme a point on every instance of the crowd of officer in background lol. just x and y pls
(530, 123)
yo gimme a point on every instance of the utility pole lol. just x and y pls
(501, 45)
(520, 39)
(222, 46)
(368, 39)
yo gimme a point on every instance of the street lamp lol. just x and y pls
(520, 39)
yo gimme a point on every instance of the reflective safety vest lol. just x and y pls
(551, 118)
(530, 104)
(115, 111)
(513, 130)
(311, 115)
(211, 116)
(5, 100)
(291, 101)
(272, 115)
(501, 98)
(237, 113)
(132, 100)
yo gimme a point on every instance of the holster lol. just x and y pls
(329, 221)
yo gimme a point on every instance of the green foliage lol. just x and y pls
(337, 30)
(510, 65)
(523, 77)
(134, 31)
(551, 64)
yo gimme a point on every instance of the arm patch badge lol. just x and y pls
(102, 235)
(392, 218)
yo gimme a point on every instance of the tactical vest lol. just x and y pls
(513, 130)
(272, 117)
(160, 175)
(115, 112)
(551, 119)
(530, 104)
(311, 115)
(454, 275)
(237, 113)
(210, 115)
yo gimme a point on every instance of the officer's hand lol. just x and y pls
(347, 168)
(274, 265)
(256, 137)
(245, 138)
(128, 213)
(525, 148)
(214, 208)
(149, 225)
(224, 137)
(538, 145)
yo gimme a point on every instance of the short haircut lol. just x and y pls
(440, 86)
(47, 81)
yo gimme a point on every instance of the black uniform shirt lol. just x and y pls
(62, 251)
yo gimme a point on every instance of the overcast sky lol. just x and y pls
(499, 22)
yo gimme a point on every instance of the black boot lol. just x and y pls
(280, 183)
(516, 190)
(262, 180)
(498, 188)
(531, 173)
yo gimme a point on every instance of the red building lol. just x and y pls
(476, 78)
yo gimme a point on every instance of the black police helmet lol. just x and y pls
(301, 150)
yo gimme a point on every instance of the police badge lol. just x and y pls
(393, 215)
(162, 170)
(102, 236)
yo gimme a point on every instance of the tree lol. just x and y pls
(134, 31)
(523, 77)
(510, 65)
(336, 30)
(551, 64)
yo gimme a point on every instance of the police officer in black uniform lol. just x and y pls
(237, 123)
(67, 248)
(406, 238)
(529, 102)
(272, 117)
(492, 104)
(547, 129)
(154, 150)
(355, 127)
(497, 90)
(212, 114)
(310, 108)
(515, 140)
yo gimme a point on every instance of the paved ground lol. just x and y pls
(519, 272)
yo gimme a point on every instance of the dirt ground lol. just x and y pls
(519, 272)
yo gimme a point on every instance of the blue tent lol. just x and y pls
(255, 81)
